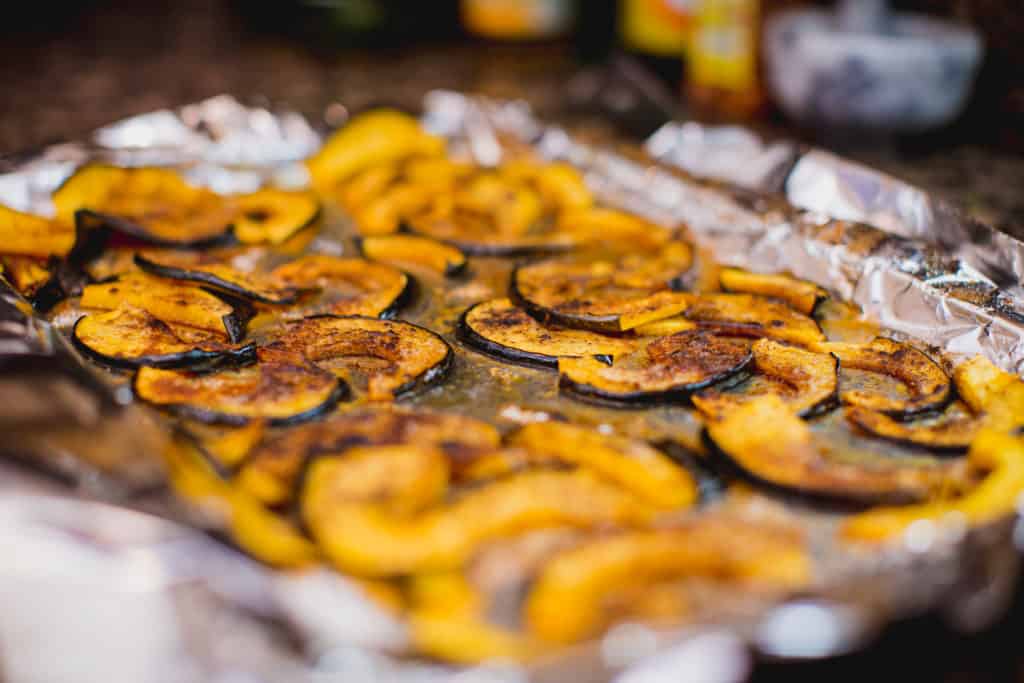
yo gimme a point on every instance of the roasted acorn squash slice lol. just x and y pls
(742, 315)
(172, 302)
(477, 235)
(220, 277)
(928, 386)
(271, 216)
(765, 438)
(273, 469)
(130, 337)
(665, 369)
(950, 434)
(801, 295)
(34, 278)
(280, 387)
(391, 357)
(604, 295)
(985, 387)
(226, 446)
(602, 226)
(807, 381)
(154, 205)
(422, 252)
(993, 452)
(377, 137)
(348, 286)
(633, 465)
(567, 601)
(256, 530)
(395, 523)
(24, 234)
(500, 329)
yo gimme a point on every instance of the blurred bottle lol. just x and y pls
(657, 33)
(517, 19)
(723, 80)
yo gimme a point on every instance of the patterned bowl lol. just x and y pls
(914, 75)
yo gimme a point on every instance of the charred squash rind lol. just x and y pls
(213, 281)
(765, 439)
(260, 219)
(798, 369)
(468, 334)
(147, 386)
(89, 221)
(930, 387)
(522, 248)
(997, 454)
(196, 359)
(443, 258)
(379, 343)
(583, 377)
(950, 437)
(803, 296)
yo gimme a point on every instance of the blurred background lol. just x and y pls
(938, 101)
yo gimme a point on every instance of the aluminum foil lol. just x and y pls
(921, 270)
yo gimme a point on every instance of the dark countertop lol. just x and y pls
(138, 57)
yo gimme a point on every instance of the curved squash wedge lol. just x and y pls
(766, 439)
(633, 465)
(220, 277)
(666, 369)
(984, 387)
(417, 251)
(154, 205)
(348, 286)
(271, 216)
(567, 601)
(803, 296)
(25, 234)
(171, 302)
(226, 447)
(928, 385)
(377, 137)
(392, 357)
(256, 530)
(273, 470)
(35, 279)
(605, 226)
(743, 315)
(372, 533)
(499, 328)
(280, 388)
(604, 295)
(477, 235)
(807, 381)
(998, 495)
(950, 435)
(129, 337)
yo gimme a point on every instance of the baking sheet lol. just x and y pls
(903, 281)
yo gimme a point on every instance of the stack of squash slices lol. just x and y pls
(309, 409)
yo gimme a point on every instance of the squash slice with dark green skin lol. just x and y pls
(604, 295)
(475, 235)
(500, 329)
(129, 337)
(413, 250)
(765, 438)
(743, 315)
(154, 205)
(274, 469)
(280, 387)
(950, 435)
(393, 357)
(172, 302)
(664, 370)
(348, 286)
(801, 295)
(272, 216)
(807, 381)
(927, 384)
(221, 277)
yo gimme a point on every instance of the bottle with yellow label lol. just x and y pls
(517, 19)
(657, 31)
(723, 80)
